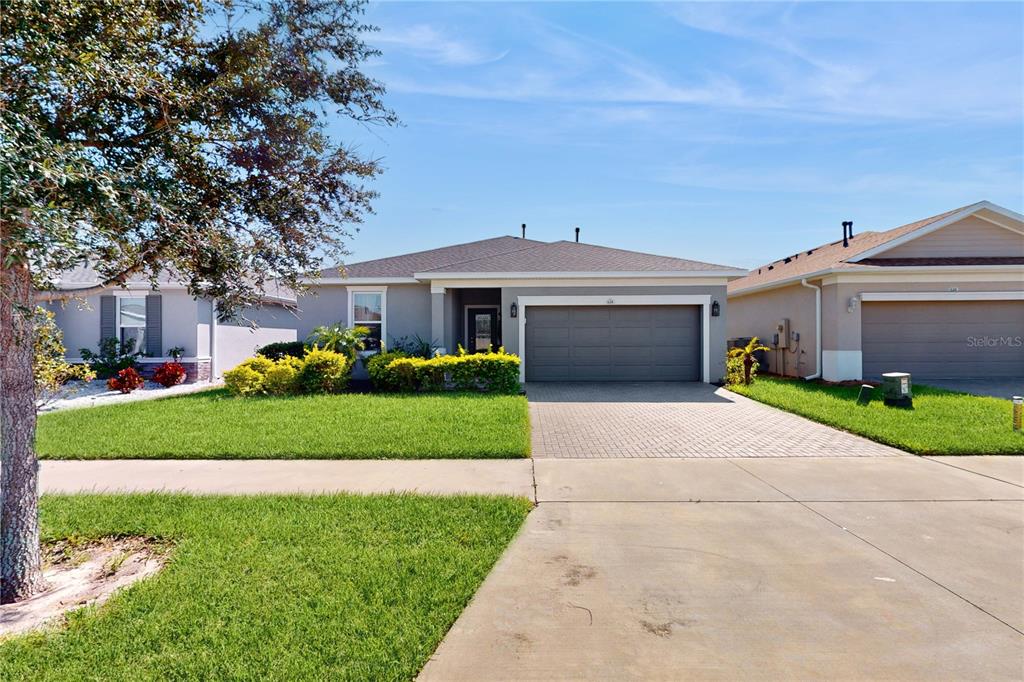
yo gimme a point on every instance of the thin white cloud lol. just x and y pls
(427, 42)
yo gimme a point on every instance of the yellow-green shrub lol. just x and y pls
(280, 379)
(244, 380)
(323, 371)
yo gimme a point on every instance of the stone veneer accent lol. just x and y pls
(195, 370)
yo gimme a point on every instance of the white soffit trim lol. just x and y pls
(581, 282)
(561, 274)
(361, 280)
(703, 300)
(942, 296)
(938, 225)
(939, 273)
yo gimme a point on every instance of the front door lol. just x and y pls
(482, 329)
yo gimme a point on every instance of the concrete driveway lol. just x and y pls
(805, 568)
(598, 420)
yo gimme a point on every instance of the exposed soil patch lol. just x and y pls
(81, 573)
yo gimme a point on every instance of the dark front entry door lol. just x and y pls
(482, 329)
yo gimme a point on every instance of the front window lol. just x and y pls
(131, 321)
(368, 311)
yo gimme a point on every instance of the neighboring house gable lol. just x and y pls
(970, 237)
(943, 295)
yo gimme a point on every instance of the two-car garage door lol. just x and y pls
(943, 339)
(613, 343)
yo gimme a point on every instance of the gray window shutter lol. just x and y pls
(107, 317)
(154, 326)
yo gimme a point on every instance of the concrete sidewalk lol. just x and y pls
(238, 477)
(888, 568)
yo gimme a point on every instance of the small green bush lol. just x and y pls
(377, 368)
(283, 349)
(490, 372)
(323, 371)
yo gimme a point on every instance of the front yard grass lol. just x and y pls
(940, 423)
(215, 425)
(272, 587)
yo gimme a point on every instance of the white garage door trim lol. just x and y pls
(942, 296)
(703, 300)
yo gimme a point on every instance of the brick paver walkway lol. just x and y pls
(597, 420)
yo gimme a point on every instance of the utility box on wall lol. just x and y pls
(782, 332)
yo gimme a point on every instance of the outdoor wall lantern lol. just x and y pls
(716, 309)
(514, 312)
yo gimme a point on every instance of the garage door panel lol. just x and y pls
(613, 343)
(941, 339)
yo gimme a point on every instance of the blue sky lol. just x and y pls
(731, 133)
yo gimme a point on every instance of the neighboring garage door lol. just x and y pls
(613, 343)
(943, 339)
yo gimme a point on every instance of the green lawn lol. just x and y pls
(272, 587)
(212, 424)
(941, 422)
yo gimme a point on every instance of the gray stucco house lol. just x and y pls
(571, 311)
(168, 317)
(941, 298)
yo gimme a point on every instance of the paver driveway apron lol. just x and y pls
(676, 420)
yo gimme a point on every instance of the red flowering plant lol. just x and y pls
(126, 381)
(169, 374)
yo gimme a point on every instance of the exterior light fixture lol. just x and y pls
(514, 311)
(716, 309)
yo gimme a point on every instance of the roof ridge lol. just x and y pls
(436, 248)
(535, 245)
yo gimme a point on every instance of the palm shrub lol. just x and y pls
(340, 339)
(741, 365)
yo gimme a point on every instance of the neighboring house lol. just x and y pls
(942, 297)
(165, 318)
(571, 311)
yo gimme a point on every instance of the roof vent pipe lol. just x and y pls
(524, 230)
(850, 225)
(577, 235)
(846, 239)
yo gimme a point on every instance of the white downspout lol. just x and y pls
(213, 340)
(817, 328)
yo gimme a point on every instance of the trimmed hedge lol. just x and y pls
(489, 372)
(283, 349)
(377, 368)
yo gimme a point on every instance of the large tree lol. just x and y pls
(138, 135)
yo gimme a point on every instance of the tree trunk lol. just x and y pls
(20, 574)
(748, 364)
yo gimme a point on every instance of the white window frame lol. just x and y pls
(118, 296)
(350, 315)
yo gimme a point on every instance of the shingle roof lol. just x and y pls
(84, 276)
(566, 256)
(421, 261)
(830, 255)
(512, 254)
